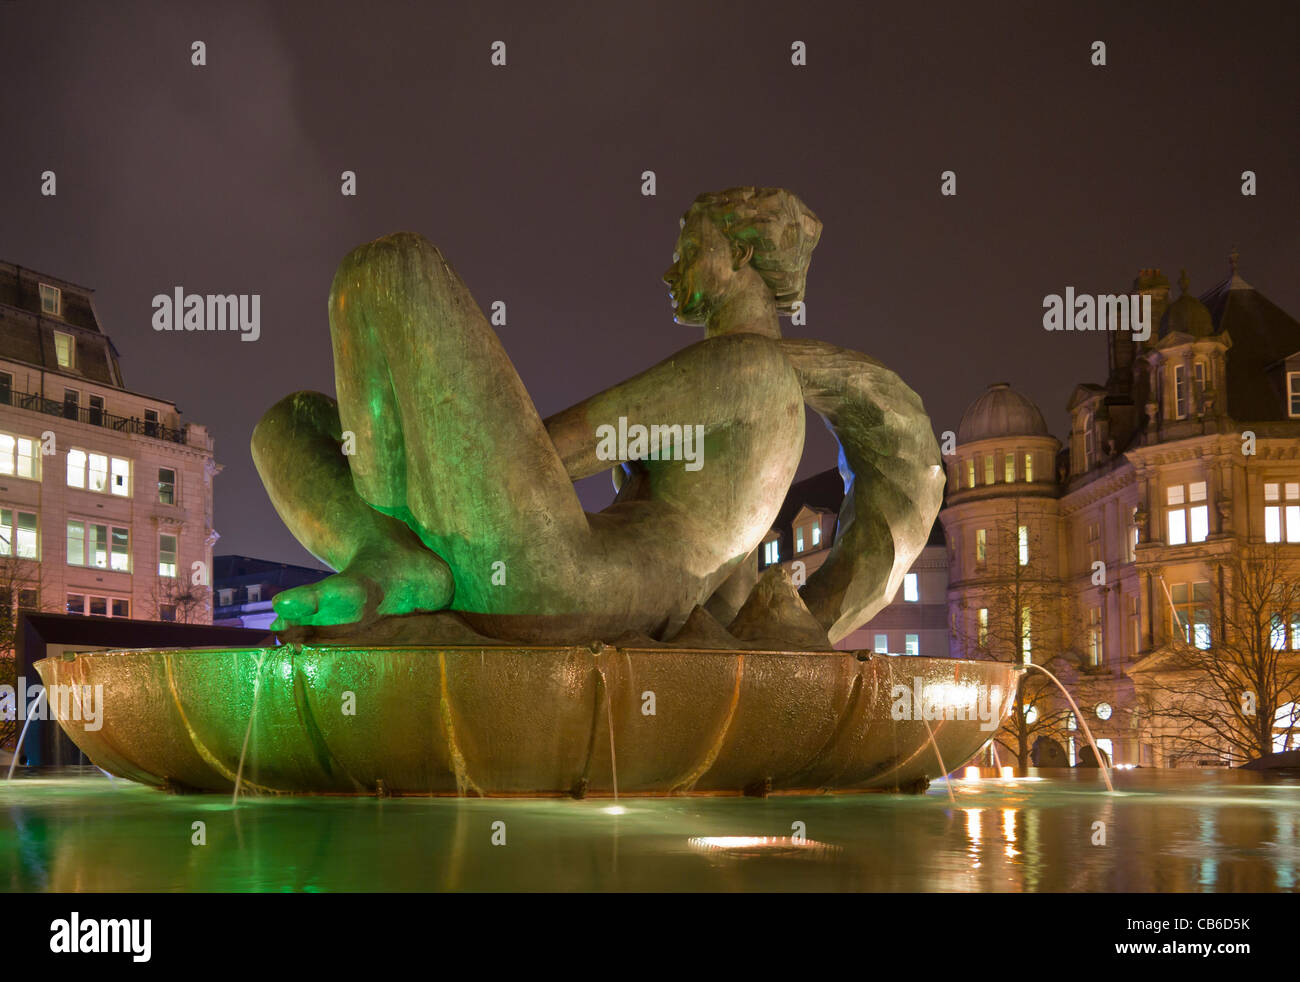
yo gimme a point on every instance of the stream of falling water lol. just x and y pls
(609, 720)
(13, 761)
(943, 771)
(1105, 771)
(257, 688)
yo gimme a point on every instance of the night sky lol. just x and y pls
(226, 178)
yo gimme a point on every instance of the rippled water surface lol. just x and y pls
(1161, 830)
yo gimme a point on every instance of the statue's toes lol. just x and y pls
(339, 599)
(295, 606)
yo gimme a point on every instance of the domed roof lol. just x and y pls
(1187, 315)
(1001, 411)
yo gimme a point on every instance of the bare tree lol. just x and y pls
(1012, 610)
(185, 601)
(22, 587)
(1227, 683)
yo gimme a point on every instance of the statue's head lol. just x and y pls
(766, 230)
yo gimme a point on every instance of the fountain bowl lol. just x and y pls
(530, 721)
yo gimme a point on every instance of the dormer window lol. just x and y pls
(1089, 442)
(817, 534)
(65, 349)
(51, 300)
(798, 539)
(1293, 394)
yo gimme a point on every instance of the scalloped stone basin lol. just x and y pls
(528, 720)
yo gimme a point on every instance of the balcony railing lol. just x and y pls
(35, 402)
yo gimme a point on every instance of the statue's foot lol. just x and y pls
(404, 583)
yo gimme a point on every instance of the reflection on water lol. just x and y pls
(1161, 831)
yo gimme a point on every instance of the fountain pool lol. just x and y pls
(1167, 831)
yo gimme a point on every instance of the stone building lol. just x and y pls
(1185, 460)
(914, 623)
(105, 494)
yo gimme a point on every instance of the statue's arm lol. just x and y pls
(674, 391)
(894, 479)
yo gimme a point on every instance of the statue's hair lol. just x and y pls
(782, 230)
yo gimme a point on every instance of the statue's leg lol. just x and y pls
(296, 449)
(447, 437)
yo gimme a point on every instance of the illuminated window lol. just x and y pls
(970, 473)
(1022, 536)
(100, 546)
(1192, 610)
(65, 349)
(1293, 394)
(51, 300)
(1029, 467)
(1095, 652)
(982, 626)
(817, 533)
(1026, 635)
(772, 551)
(99, 472)
(882, 644)
(166, 555)
(1283, 635)
(981, 545)
(98, 480)
(912, 644)
(988, 468)
(18, 457)
(1009, 468)
(798, 539)
(76, 468)
(18, 534)
(120, 471)
(1188, 515)
(911, 592)
(1282, 515)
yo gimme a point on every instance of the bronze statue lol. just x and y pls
(433, 486)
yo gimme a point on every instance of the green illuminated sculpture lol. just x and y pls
(484, 635)
(446, 503)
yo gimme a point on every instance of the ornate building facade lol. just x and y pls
(1125, 554)
(105, 494)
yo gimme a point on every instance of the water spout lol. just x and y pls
(13, 761)
(1105, 771)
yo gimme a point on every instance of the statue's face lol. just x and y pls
(702, 270)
